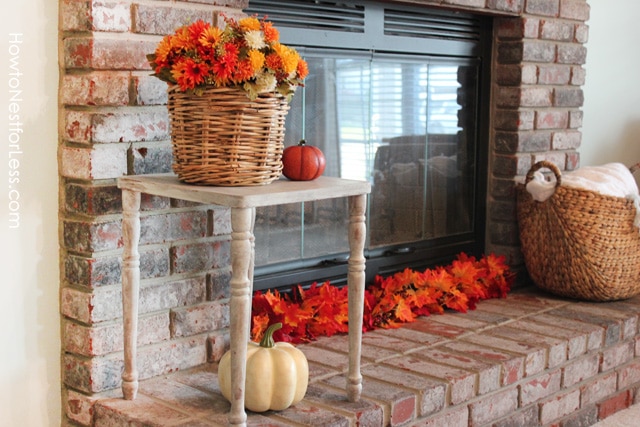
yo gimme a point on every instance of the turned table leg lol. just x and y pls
(242, 260)
(355, 280)
(130, 289)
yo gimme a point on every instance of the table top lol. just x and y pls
(279, 192)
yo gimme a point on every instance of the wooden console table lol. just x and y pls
(243, 202)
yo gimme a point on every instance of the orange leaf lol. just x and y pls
(403, 311)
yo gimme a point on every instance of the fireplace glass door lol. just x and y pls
(409, 124)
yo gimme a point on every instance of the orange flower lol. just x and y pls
(271, 34)
(245, 54)
(210, 37)
(303, 69)
(196, 29)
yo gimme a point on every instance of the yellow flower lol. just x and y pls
(257, 59)
(248, 24)
(288, 56)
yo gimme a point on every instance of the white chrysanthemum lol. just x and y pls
(255, 39)
(266, 82)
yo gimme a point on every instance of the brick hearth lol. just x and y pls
(530, 359)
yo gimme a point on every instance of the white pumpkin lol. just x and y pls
(277, 374)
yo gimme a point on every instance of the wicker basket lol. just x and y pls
(578, 243)
(220, 137)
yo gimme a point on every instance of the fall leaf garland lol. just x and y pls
(322, 310)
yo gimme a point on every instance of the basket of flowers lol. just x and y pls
(228, 97)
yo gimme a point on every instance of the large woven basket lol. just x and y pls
(221, 137)
(578, 243)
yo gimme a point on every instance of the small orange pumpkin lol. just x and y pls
(303, 162)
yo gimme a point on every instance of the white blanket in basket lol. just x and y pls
(612, 179)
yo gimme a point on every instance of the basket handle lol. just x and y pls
(634, 168)
(546, 164)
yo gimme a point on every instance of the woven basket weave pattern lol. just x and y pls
(222, 138)
(578, 243)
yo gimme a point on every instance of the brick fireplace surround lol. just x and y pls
(113, 122)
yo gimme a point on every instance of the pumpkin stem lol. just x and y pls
(302, 142)
(267, 340)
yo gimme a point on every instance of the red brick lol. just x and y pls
(399, 404)
(512, 6)
(614, 404)
(152, 157)
(584, 417)
(554, 119)
(556, 30)
(454, 417)
(509, 28)
(114, 16)
(574, 9)
(514, 120)
(617, 355)
(149, 90)
(96, 126)
(466, 3)
(489, 374)
(105, 269)
(431, 393)
(629, 375)
(572, 54)
(556, 348)
(97, 374)
(141, 411)
(510, 52)
(559, 406)
(87, 236)
(106, 53)
(572, 161)
(516, 360)
(435, 329)
(518, 142)
(569, 140)
(107, 338)
(198, 319)
(92, 199)
(522, 417)
(493, 407)
(598, 388)
(558, 158)
(540, 387)
(524, 97)
(161, 20)
(538, 51)
(461, 383)
(100, 88)
(543, 7)
(580, 369)
(554, 74)
(75, 15)
(189, 258)
(568, 97)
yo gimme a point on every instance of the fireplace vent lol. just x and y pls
(352, 24)
(431, 24)
(313, 15)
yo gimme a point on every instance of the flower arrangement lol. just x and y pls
(388, 302)
(245, 54)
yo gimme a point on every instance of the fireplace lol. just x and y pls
(114, 122)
